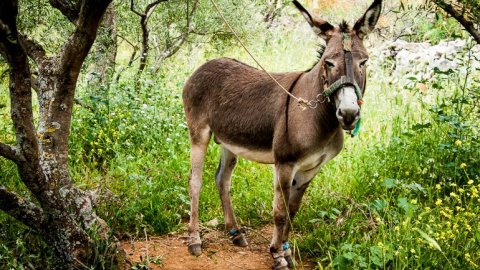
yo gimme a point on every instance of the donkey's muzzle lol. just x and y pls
(348, 110)
(348, 116)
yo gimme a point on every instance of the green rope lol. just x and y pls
(337, 85)
(357, 128)
(334, 87)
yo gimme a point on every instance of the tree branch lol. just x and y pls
(151, 7)
(80, 42)
(171, 50)
(132, 8)
(468, 25)
(20, 89)
(34, 50)
(220, 32)
(143, 24)
(190, 15)
(10, 153)
(67, 9)
(21, 209)
(128, 41)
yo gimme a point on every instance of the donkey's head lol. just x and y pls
(343, 64)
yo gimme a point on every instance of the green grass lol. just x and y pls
(401, 195)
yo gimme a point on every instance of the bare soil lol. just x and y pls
(170, 252)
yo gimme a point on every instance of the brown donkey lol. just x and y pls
(252, 117)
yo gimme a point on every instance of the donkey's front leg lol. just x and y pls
(300, 184)
(282, 184)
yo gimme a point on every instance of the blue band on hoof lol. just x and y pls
(285, 246)
(233, 232)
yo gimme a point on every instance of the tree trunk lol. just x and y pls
(144, 16)
(145, 46)
(106, 50)
(62, 214)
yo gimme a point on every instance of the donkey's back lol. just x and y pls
(236, 102)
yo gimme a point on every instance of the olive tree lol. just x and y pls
(62, 214)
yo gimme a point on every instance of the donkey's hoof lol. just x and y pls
(238, 237)
(195, 249)
(240, 240)
(290, 262)
(280, 264)
(289, 258)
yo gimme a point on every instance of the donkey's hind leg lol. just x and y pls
(198, 148)
(223, 177)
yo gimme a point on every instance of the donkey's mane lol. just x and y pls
(320, 51)
(344, 27)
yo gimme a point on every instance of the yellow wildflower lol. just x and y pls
(474, 191)
(470, 182)
(458, 142)
(438, 202)
(463, 165)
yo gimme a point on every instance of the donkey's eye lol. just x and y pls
(363, 62)
(329, 64)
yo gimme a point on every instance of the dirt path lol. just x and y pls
(170, 252)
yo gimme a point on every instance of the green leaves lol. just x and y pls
(429, 239)
(408, 207)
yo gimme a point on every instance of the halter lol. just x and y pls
(348, 80)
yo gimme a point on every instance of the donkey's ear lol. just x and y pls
(367, 22)
(319, 26)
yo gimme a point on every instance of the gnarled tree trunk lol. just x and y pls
(62, 214)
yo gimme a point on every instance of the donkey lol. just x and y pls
(250, 116)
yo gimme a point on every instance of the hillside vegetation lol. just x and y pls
(404, 194)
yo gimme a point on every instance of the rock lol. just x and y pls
(419, 60)
(212, 223)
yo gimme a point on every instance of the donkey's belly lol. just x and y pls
(260, 155)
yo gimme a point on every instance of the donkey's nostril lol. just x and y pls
(340, 113)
